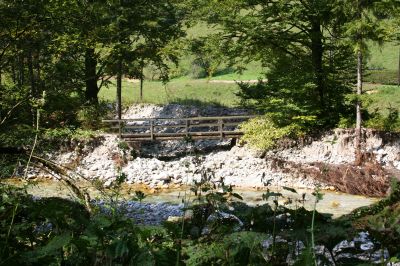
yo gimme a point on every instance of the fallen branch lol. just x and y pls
(62, 175)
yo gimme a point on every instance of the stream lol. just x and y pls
(335, 203)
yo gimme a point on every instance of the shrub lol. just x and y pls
(197, 71)
(389, 122)
(90, 116)
(263, 133)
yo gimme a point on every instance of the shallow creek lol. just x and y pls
(335, 203)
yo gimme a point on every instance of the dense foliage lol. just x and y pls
(218, 229)
(70, 49)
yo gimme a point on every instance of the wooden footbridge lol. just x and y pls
(221, 127)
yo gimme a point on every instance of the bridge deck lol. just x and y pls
(140, 129)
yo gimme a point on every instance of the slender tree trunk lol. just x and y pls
(33, 93)
(358, 140)
(119, 89)
(21, 74)
(317, 51)
(31, 75)
(92, 88)
(398, 71)
(141, 85)
(358, 152)
(13, 72)
(39, 86)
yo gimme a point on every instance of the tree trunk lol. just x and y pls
(141, 85)
(358, 140)
(358, 152)
(119, 89)
(36, 60)
(398, 71)
(33, 93)
(31, 75)
(92, 88)
(21, 74)
(13, 72)
(317, 51)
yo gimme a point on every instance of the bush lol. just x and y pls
(197, 71)
(90, 116)
(389, 122)
(55, 231)
(263, 133)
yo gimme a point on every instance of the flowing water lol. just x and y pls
(335, 203)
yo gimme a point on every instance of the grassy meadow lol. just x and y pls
(197, 92)
(383, 63)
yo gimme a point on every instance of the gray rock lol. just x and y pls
(219, 218)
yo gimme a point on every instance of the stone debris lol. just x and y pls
(179, 111)
(337, 147)
(237, 166)
(148, 213)
(174, 163)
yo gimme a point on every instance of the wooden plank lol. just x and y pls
(178, 138)
(187, 127)
(221, 128)
(170, 126)
(232, 124)
(119, 129)
(148, 127)
(181, 119)
(176, 126)
(204, 125)
(152, 129)
(182, 134)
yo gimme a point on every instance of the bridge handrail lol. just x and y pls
(218, 121)
(179, 119)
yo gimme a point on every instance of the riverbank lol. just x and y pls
(324, 161)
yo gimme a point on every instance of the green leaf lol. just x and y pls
(319, 196)
(54, 246)
(102, 221)
(236, 195)
(266, 196)
(290, 189)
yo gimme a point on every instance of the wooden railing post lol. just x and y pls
(187, 127)
(221, 128)
(151, 129)
(119, 129)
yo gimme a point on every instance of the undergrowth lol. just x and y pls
(218, 228)
(264, 132)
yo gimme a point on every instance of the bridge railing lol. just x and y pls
(217, 127)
